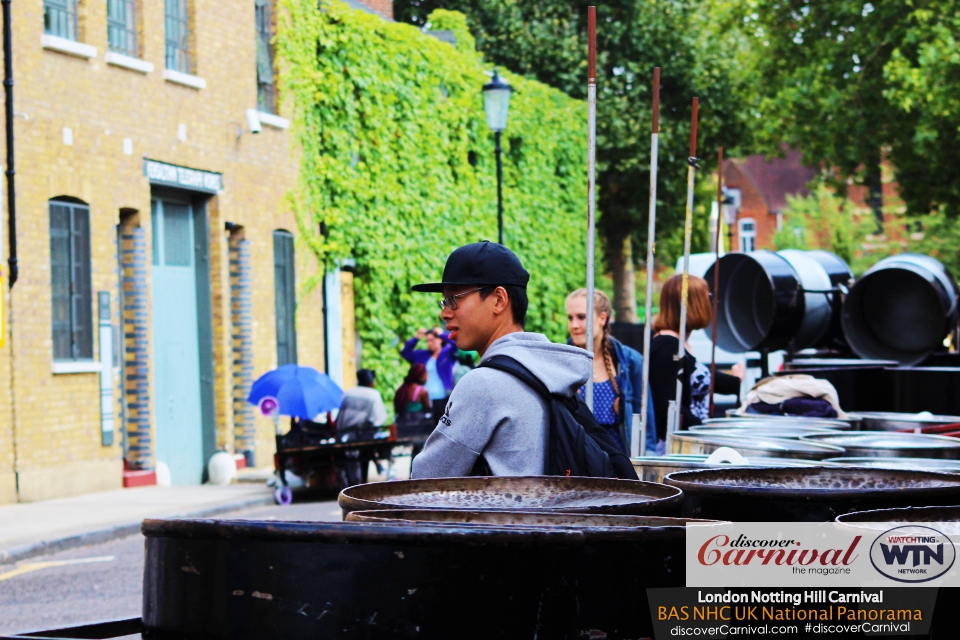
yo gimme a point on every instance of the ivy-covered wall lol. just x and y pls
(397, 160)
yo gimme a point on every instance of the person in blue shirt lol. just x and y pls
(438, 359)
(617, 371)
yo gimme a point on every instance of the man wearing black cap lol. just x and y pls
(491, 413)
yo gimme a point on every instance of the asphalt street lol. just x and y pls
(104, 581)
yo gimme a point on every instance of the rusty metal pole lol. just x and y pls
(637, 443)
(591, 179)
(684, 289)
(716, 278)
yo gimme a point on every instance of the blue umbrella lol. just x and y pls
(302, 392)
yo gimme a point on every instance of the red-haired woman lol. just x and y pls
(695, 404)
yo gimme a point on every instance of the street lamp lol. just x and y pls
(731, 207)
(496, 102)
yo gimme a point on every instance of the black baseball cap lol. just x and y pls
(480, 264)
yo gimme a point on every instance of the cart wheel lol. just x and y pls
(283, 495)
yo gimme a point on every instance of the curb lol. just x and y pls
(98, 536)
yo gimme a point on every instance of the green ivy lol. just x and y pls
(397, 160)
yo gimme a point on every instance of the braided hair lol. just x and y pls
(601, 304)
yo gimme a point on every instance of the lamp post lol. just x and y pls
(730, 211)
(496, 102)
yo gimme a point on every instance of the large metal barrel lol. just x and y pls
(542, 493)
(940, 465)
(771, 300)
(897, 421)
(901, 309)
(656, 468)
(908, 514)
(689, 442)
(817, 494)
(890, 444)
(247, 580)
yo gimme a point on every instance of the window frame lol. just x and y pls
(266, 89)
(70, 17)
(182, 60)
(285, 296)
(744, 235)
(78, 281)
(127, 26)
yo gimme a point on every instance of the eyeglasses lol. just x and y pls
(451, 301)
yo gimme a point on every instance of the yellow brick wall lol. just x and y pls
(57, 422)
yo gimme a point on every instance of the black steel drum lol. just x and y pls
(592, 522)
(907, 514)
(760, 305)
(541, 493)
(245, 580)
(886, 444)
(816, 494)
(901, 309)
(767, 301)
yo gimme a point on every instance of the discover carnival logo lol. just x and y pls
(745, 551)
(912, 554)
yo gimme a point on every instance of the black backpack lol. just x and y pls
(577, 445)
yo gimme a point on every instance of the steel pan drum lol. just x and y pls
(246, 580)
(816, 494)
(832, 423)
(879, 518)
(891, 444)
(893, 421)
(907, 464)
(772, 431)
(656, 468)
(698, 443)
(583, 521)
(544, 493)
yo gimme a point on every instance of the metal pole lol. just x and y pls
(684, 289)
(8, 94)
(591, 179)
(716, 279)
(635, 445)
(497, 152)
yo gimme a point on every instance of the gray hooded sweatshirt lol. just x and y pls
(493, 413)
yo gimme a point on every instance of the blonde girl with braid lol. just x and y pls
(617, 368)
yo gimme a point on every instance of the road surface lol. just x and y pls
(103, 581)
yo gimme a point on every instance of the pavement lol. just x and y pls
(36, 528)
(30, 529)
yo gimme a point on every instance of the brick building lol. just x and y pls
(763, 186)
(152, 165)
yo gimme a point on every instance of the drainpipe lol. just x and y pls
(323, 288)
(8, 93)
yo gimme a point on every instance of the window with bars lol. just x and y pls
(72, 299)
(177, 24)
(265, 86)
(60, 18)
(285, 297)
(122, 27)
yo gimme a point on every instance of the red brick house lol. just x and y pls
(763, 186)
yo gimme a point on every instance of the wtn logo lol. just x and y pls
(900, 554)
(912, 554)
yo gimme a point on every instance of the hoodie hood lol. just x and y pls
(562, 368)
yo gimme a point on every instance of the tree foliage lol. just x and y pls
(397, 161)
(849, 83)
(546, 40)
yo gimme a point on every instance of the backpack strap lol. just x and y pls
(511, 366)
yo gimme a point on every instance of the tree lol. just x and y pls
(546, 40)
(923, 77)
(852, 83)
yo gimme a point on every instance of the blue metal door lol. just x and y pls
(176, 355)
